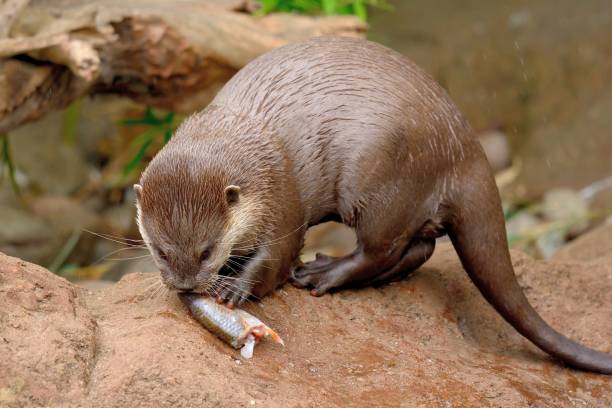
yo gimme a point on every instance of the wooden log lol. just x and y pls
(173, 55)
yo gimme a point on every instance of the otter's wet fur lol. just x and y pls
(332, 129)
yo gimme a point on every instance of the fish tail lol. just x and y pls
(275, 337)
(265, 331)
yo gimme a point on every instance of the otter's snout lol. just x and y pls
(185, 286)
(177, 282)
(186, 283)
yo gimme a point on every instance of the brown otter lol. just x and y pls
(331, 128)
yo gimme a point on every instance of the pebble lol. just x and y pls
(568, 206)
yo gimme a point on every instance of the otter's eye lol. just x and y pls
(162, 255)
(204, 255)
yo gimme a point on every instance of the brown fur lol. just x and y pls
(334, 129)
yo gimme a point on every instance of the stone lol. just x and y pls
(568, 208)
(521, 224)
(497, 148)
(48, 163)
(573, 153)
(430, 340)
(47, 337)
(594, 244)
(501, 64)
(330, 238)
(28, 237)
(548, 244)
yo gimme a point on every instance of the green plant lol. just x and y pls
(7, 164)
(71, 122)
(159, 127)
(357, 8)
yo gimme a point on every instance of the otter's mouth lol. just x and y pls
(235, 264)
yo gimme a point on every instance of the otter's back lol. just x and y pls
(346, 99)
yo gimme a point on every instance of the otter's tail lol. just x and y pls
(478, 233)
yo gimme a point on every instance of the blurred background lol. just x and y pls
(85, 102)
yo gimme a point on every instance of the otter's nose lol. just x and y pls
(187, 284)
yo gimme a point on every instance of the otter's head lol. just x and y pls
(188, 218)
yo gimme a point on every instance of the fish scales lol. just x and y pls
(234, 326)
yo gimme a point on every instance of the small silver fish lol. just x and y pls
(234, 326)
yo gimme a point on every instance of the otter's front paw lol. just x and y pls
(234, 293)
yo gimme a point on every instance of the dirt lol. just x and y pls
(429, 341)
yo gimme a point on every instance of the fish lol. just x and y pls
(236, 327)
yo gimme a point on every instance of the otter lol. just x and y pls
(331, 129)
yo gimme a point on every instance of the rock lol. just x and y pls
(548, 244)
(330, 238)
(140, 261)
(430, 340)
(574, 153)
(99, 120)
(521, 223)
(567, 207)
(28, 237)
(47, 338)
(594, 244)
(122, 218)
(94, 285)
(65, 213)
(497, 148)
(48, 163)
(66, 217)
(500, 64)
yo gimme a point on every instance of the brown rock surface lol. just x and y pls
(594, 244)
(430, 340)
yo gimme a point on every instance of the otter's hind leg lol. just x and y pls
(419, 251)
(328, 272)
(382, 246)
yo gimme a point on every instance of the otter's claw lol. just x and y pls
(316, 274)
(233, 295)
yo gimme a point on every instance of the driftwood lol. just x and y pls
(171, 54)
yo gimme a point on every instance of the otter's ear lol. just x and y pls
(232, 194)
(138, 191)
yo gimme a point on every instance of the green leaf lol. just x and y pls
(135, 162)
(329, 6)
(168, 118)
(148, 134)
(65, 251)
(7, 159)
(360, 9)
(149, 118)
(167, 135)
(268, 6)
(71, 121)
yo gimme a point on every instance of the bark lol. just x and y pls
(169, 54)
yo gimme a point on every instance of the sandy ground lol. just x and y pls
(428, 341)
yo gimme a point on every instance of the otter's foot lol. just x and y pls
(305, 272)
(328, 272)
(312, 273)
